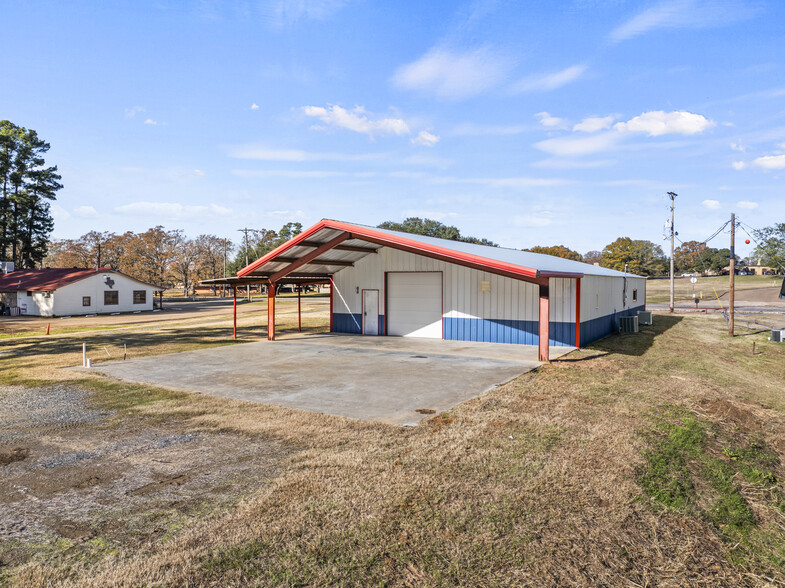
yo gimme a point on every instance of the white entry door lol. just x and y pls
(370, 312)
(414, 304)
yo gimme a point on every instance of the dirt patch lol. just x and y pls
(741, 417)
(99, 485)
(11, 455)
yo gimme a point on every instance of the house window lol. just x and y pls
(635, 295)
(111, 297)
(85, 301)
(140, 296)
(597, 301)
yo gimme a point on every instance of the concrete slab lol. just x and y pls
(374, 378)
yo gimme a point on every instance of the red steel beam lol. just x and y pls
(545, 324)
(308, 257)
(578, 313)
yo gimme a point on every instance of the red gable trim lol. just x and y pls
(50, 279)
(412, 245)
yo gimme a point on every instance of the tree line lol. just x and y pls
(164, 257)
(26, 187)
(169, 258)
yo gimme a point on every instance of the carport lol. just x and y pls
(319, 253)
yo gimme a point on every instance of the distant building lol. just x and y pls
(71, 291)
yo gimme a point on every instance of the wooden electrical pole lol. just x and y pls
(732, 273)
(673, 237)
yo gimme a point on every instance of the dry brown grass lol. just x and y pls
(534, 483)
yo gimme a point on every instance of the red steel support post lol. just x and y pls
(578, 313)
(332, 287)
(234, 309)
(271, 311)
(544, 324)
(299, 314)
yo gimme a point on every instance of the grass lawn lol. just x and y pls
(658, 290)
(646, 459)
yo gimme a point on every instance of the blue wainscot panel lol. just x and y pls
(343, 322)
(506, 331)
(605, 325)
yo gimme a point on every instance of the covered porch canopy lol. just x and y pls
(317, 253)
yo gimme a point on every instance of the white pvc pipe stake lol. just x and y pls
(84, 354)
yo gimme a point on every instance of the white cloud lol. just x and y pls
(198, 173)
(711, 204)
(551, 81)
(425, 138)
(357, 121)
(673, 14)
(254, 106)
(132, 112)
(771, 162)
(513, 182)
(85, 212)
(658, 122)
(539, 219)
(747, 204)
(737, 165)
(285, 173)
(59, 213)
(266, 154)
(428, 160)
(547, 120)
(291, 11)
(149, 121)
(738, 147)
(172, 210)
(452, 75)
(432, 214)
(593, 124)
(577, 146)
(471, 129)
(573, 163)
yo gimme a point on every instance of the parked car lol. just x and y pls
(687, 275)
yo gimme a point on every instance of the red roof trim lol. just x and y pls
(395, 240)
(50, 279)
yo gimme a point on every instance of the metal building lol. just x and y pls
(392, 283)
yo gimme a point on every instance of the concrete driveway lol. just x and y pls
(384, 379)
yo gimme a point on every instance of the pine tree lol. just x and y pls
(26, 186)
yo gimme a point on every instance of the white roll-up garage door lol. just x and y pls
(414, 304)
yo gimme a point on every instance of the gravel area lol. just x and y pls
(25, 411)
(75, 484)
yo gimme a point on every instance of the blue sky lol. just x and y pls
(523, 122)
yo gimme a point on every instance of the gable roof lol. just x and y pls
(50, 279)
(353, 242)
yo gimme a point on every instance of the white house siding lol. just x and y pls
(68, 299)
(507, 313)
(35, 303)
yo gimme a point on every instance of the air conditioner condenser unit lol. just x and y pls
(645, 318)
(628, 324)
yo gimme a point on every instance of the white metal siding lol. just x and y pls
(414, 304)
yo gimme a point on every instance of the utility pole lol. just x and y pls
(673, 238)
(732, 273)
(245, 232)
